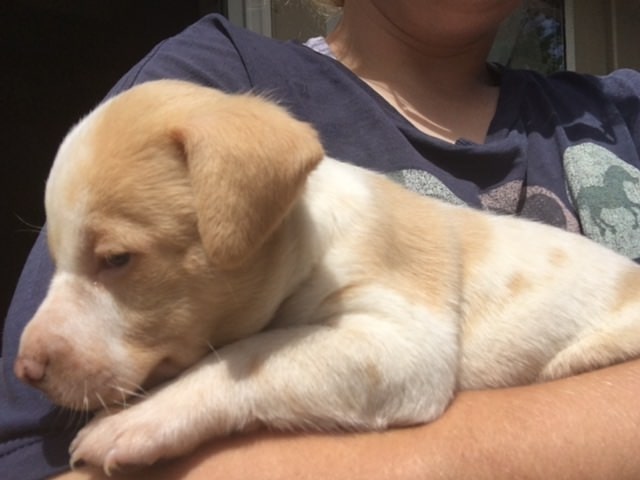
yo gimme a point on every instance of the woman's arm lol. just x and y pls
(584, 427)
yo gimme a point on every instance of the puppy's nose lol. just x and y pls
(30, 370)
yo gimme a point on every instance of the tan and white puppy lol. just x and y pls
(205, 238)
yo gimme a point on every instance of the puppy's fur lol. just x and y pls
(205, 238)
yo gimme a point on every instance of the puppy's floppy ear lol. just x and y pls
(248, 161)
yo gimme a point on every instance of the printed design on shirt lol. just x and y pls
(424, 183)
(606, 193)
(534, 203)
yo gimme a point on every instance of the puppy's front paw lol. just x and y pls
(132, 438)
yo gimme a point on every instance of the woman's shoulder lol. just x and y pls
(575, 103)
(619, 85)
(215, 52)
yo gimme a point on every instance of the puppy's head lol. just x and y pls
(163, 208)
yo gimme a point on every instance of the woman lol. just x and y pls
(403, 87)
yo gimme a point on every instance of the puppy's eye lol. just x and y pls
(117, 260)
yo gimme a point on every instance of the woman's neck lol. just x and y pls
(442, 87)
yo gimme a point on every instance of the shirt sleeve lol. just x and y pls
(35, 435)
(623, 88)
(204, 53)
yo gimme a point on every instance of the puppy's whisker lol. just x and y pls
(70, 416)
(87, 416)
(85, 403)
(121, 404)
(131, 393)
(76, 411)
(125, 393)
(124, 397)
(214, 350)
(32, 227)
(135, 391)
(136, 386)
(79, 418)
(102, 402)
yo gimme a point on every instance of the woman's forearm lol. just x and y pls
(584, 427)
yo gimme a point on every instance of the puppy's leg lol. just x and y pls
(360, 371)
(611, 336)
(595, 350)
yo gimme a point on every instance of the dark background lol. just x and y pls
(58, 58)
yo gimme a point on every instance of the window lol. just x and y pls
(590, 36)
(533, 38)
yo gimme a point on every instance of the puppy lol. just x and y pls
(205, 245)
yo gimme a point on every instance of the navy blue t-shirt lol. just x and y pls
(562, 149)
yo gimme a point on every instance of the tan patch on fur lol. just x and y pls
(197, 136)
(628, 289)
(416, 247)
(263, 154)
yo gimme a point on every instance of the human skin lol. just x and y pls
(427, 58)
(583, 427)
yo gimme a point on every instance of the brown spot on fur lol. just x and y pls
(373, 374)
(558, 257)
(518, 284)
